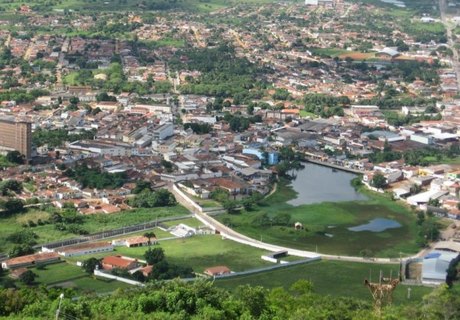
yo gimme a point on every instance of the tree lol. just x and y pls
(13, 205)
(15, 157)
(20, 250)
(155, 255)
(28, 277)
(150, 235)
(74, 100)
(282, 219)
(379, 181)
(90, 265)
(141, 185)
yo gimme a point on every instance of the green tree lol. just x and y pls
(379, 181)
(91, 264)
(15, 157)
(155, 255)
(149, 235)
(28, 277)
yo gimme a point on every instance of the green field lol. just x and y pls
(199, 252)
(331, 218)
(91, 223)
(132, 5)
(334, 278)
(70, 276)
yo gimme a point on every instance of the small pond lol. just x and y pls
(377, 225)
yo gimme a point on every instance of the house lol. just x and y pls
(217, 271)
(146, 270)
(30, 260)
(17, 273)
(131, 242)
(84, 248)
(119, 262)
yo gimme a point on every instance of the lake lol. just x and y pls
(316, 183)
(377, 225)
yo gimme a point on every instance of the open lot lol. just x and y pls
(326, 225)
(198, 252)
(67, 275)
(334, 278)
(92, 223)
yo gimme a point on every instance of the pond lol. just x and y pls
(377, 225)
(315, 184)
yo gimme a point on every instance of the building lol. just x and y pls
(164, 131)
(217, 271)
(84, 248)
(119, 262)
(16, 135)
(30, 260)
(131, 242)
(422, 138)
(435, 265)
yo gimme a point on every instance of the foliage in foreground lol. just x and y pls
(201, 300)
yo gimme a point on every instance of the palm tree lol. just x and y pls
(150, 235)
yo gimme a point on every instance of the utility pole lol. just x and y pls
(61, 296)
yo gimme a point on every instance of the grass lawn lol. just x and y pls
(199, 252)
(334, 278)
(70, 276)
(323, 219)
(191, 222)
(92, 223)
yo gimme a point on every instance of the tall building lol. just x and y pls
(16, 135)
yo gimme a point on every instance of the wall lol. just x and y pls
(111, 276)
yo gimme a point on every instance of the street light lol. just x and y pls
(61, 296)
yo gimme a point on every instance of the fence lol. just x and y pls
(269, 268)
(109, 233)
(111, 276)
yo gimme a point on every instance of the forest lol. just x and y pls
(202, 300)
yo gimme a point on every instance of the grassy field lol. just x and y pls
(136, 5)
(70, 276)
(191, 222)
(199, 252)
(323, 219)
(92, 223)
(334, 278)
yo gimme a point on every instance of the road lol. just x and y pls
(231, 234)
(455, 62)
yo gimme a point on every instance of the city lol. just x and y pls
(229, 147)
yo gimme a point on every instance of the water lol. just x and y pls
(377, 225)
(397, 3)
(315, 184)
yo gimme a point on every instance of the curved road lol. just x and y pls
(238, 237)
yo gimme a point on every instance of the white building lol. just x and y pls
(435, 265)
(164, 131)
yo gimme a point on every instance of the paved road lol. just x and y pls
(238, 237)
(455, 62)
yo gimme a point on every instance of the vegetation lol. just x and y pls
(329, 278)
(152, 199)
(330, 218)
(56, 138)
(202, 300)
(95, 178)
(223, 74)
(49, 224)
